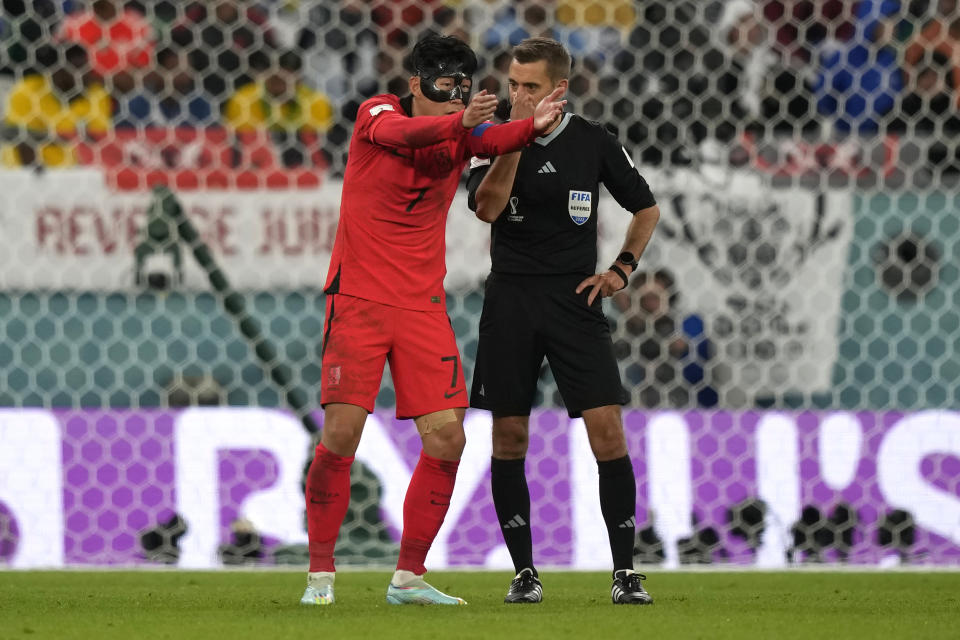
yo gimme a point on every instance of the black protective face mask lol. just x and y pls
(428, 79)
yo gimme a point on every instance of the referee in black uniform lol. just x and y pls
(543, 298)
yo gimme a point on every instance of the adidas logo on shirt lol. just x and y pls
(515, 522)
(547, 168)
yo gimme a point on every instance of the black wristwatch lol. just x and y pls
(627, 258)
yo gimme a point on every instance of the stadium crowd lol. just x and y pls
(671, 74)
(269, 87)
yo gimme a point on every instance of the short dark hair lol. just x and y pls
(435, 48)
(548, 49)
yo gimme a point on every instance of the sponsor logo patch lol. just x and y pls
(579, 206)
(380, 107)
(547, 168)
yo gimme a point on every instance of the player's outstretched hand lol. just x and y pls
(606, 284)
(480, 109)
(549, 109)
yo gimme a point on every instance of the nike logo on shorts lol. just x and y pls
(448, 395)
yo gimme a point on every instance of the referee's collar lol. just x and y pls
(550, 137)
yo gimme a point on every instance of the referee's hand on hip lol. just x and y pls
(605, 284)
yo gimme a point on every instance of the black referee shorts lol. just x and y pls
(528, 317)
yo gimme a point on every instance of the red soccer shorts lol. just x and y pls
(360, 335)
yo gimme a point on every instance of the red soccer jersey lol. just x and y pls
(401, 176)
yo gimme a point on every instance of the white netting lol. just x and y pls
(804, 154)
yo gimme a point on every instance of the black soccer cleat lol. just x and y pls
(627, 588)
(525, 589)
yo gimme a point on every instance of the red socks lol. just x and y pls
(424, 508)
(328, 496)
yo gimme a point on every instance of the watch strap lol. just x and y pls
(632, 261)
(620, 272)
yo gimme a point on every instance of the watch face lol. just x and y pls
(626, 258)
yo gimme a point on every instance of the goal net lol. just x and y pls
(790, 343)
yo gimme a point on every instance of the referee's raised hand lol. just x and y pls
(606, 284)
(523, 106)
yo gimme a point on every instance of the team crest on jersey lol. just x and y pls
(441, 157)
(579, 206)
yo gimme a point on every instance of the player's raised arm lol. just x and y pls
(489, 187)
(496, 139)
(423, 130)
(396, 130)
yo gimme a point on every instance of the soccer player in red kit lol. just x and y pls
(385, 300)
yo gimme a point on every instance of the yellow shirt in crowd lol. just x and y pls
(587, 13)
(250, 109)
(35, 106)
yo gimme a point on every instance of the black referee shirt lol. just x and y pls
(549, 226)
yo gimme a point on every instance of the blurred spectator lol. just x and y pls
(509, 25)
(744, 37)
(25, 25)
(45, 115)
(941, 35)
(665, 355)
(801, 27)
(161, 12)
(932, 69)
(337, 43)
(594, 30)
(859, 81)
(167, 96)
(502, 28)
(593, 13)
(660, 67)
(451, 22)
(402, 22)
(749, 96)
(118, 39)
(765, 87)
(225, 41)
(279, 104)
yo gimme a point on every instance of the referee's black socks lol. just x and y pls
(511, 498)
(618, 501)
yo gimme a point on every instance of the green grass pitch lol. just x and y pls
(233, 605)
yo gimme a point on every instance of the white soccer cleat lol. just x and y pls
(319, 589)
(417, 591)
